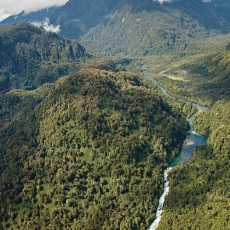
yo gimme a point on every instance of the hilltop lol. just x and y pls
(86, 148)
(30, 56)
(94, 148)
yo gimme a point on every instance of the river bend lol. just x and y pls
(192, 140)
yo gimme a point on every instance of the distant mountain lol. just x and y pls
(30, 56)
(136, 27)
(145, 27)
(88, 151)
(75, 18)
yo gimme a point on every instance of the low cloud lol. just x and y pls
(13, 7)
(162, 1)
(47, 26)
(3, 14)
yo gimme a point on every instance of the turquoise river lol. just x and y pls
(192, 140)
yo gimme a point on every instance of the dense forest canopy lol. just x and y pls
(137, 27)
(94, 148)
(87, 150)
(199, 195)
(30, 56)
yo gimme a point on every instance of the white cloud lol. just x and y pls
(47, 26)
(12, 7)
(3, 14)
(162, 1)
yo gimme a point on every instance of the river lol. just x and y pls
(192, 140)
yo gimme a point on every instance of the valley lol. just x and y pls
(192, 141)
(85, 137)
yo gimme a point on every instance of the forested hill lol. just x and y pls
(145, 27)
(137, 27)
(199, 195)
(203, 79)
(90, 156)
(30, 56)
(75, 18)
(213, 74)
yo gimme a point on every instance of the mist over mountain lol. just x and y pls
(136, 27)
(86, 148)
(75, 18)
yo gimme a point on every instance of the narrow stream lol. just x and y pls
(192, 140)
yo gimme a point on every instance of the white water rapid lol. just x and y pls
(159, 212)
(185, 154)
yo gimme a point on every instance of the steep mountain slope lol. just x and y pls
(88, 151)
(75, 18)
(223, 7)
(147, 27)
(206, 78)
(137, 27)
(90, 156)
(30, 56)
(213, 74)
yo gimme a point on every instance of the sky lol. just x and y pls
(12, 7)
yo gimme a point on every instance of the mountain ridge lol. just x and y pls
(89, 150)
(74, 14)
(100, 33)
(28, 53)
(150, 28)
